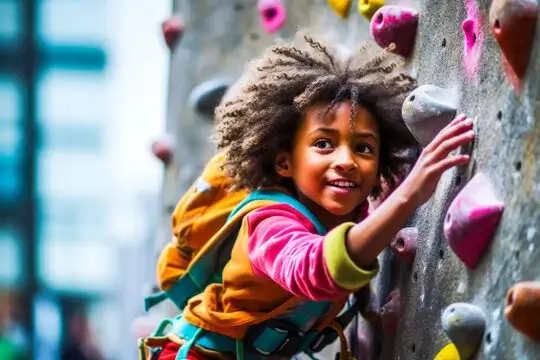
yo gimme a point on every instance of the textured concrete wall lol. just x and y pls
(220, 36)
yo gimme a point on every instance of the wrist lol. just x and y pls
(405, 196)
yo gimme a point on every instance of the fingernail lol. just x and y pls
(470, 133)
(468, 121)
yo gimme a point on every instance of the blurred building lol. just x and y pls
(82, 87)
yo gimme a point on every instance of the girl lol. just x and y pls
(326, 128)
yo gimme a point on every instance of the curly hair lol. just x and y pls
(289, 78)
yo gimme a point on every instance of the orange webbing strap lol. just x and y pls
(344, 353)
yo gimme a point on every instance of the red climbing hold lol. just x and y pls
(394, 24)
(472, 219)
(273, 14)
(163, 149)
(513, 23)
(405, 243)
(391, 312)
(523, 308)
(172, 28)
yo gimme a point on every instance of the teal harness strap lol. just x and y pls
(281, 197)
(200, 275)
(184, 349)
(282, 336)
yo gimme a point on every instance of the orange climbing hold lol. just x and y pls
(340, 7)
(513, 23)
(405, 243)
(173, 29)
(523, 308)
(369, 7)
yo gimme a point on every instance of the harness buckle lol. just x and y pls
(274, 337)
(323, 339)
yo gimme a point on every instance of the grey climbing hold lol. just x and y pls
(464, 324)
(206, 96)
(427, 110)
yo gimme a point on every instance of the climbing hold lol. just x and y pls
(273, 14)
(172, 28)
(464, 324)
(449, 352)
(513, 23)
(523, 308)
(394, 24)
(205, 97)
(473, 33)
(369, 7)
(427, 110)
(405, 243)
(391, 312)
(340, 7)
(469, 31)
(163, 149)
(472, 219)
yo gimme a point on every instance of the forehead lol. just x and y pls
(340, 116)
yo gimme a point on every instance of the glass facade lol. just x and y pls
(53, 113)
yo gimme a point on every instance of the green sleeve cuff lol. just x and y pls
(340, 265)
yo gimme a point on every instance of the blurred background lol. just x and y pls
(82, 94)
(106, 108)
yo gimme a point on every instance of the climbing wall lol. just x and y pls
(461, 278)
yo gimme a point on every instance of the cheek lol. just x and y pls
(370, 169)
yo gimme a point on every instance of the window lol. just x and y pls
(66, 174)
(72, 137)
(10, 180)
(72, 22)
(10, 97)
(72, 97)
(72, 218)
(10, 21)
(10, 140)
(78, 266)
(10, 258)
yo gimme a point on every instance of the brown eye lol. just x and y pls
(364, 149)
(323, 144)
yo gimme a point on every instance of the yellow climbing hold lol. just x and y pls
(340, 7)
(449, 352)
(368, 7)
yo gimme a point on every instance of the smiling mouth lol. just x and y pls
(343, 184)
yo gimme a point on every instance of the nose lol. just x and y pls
(344, 161)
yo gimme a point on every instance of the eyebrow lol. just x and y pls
(362, 134)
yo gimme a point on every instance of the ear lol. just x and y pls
(283, 164)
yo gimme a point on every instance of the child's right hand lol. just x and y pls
(434, 160)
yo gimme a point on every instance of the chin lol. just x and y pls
(338, 210)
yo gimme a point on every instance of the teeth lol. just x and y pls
(344, 184)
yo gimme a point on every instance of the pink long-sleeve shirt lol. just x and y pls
(284, 246)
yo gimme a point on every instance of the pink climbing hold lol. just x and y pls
(163, 149)
(405, 243)
(273, 14)
(173, 29)
(391, 312)
(472, 219)
(474, 38)
(394, 24)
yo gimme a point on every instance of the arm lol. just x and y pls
(366, 240)
(283, 246)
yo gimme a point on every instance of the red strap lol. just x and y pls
(171, 349)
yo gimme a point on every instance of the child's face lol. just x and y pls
(334, 165)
